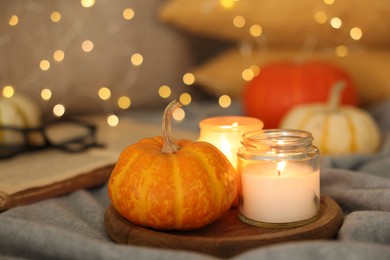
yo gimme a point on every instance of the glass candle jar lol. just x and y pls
(225, 132)
(279, 178)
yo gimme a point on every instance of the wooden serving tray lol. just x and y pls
(226, 237)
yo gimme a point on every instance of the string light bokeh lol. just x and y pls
(93, 55)
(322, 17)
(79, 44)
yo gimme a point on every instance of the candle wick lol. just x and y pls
(278, 173)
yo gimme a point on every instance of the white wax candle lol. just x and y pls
(225, 133)
(293, 195)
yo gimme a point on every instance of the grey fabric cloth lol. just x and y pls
(71, 226)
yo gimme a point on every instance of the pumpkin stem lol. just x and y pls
(169, 143)
(335, 95)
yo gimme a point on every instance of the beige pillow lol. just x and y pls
(369, 70)
(284, 23)
(75, 81)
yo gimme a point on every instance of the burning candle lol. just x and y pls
(279, 196)
(279, 179)
(226, 132)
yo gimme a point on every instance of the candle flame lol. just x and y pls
(281, 166)
(225, 148)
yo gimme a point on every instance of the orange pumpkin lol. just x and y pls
(163, 184)
(280, 86)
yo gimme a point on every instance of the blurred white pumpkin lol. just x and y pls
(336, 129)
(17, 111)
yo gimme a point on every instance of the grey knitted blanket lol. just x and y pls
(72, 226)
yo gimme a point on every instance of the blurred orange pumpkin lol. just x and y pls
(280, 86)
(164, 184)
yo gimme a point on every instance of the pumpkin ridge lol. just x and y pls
(121, 167)
(219, 194)
(152, 198)
(118, 177)
(302, 123)
(178, 191)
(123, 173)
(212, 176)
(368, 122)
(144, 204)
(22, 115)
(353, 142)
(157, 201)
(198, 205)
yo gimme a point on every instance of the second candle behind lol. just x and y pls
(226, 132)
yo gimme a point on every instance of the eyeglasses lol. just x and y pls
(69, 136)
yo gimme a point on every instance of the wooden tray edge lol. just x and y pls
(121, 232)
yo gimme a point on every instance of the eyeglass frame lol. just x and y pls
(28, 146)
